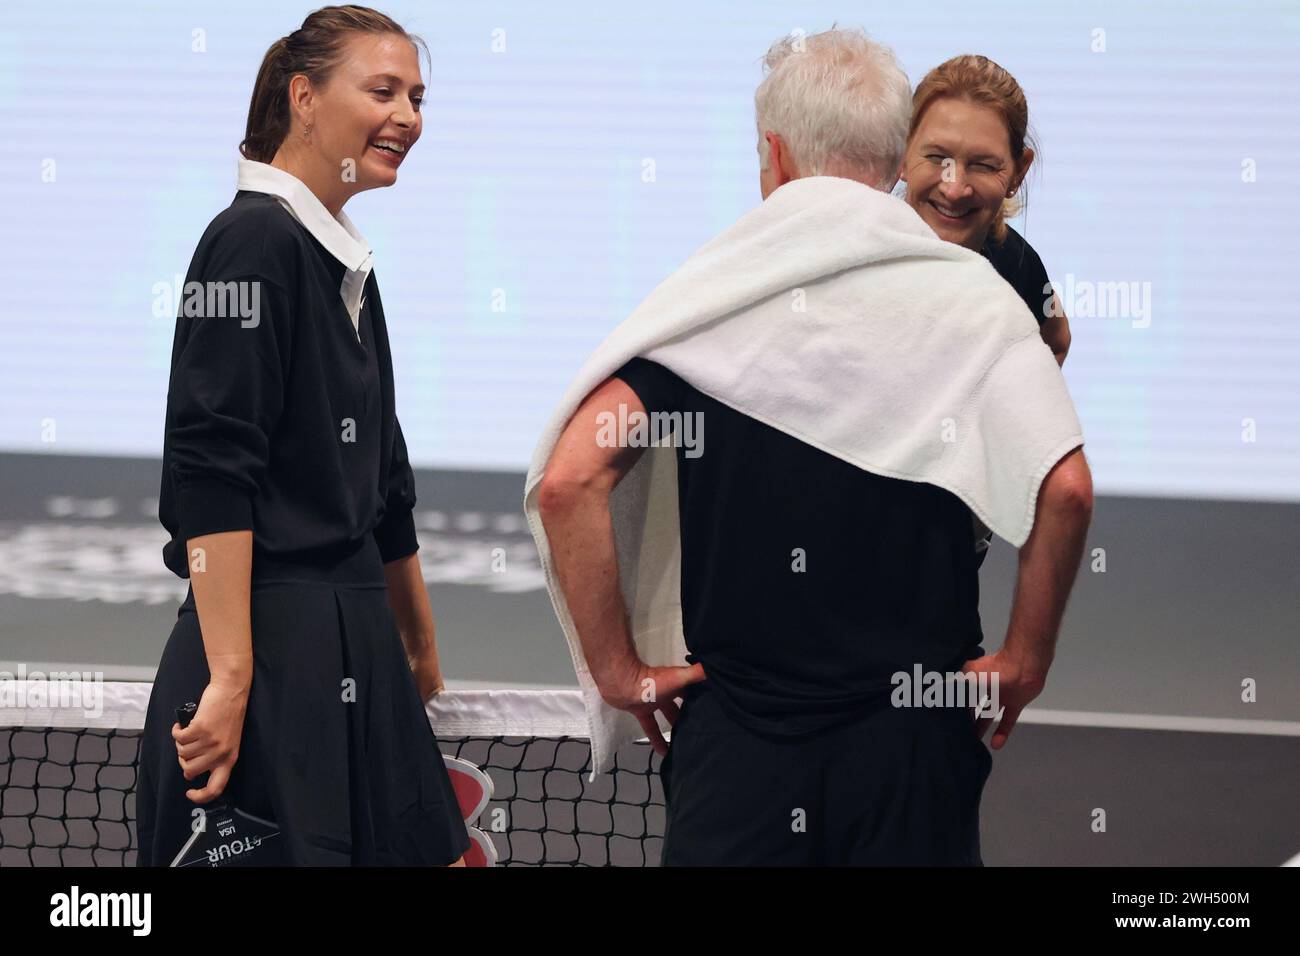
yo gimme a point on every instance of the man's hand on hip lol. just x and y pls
(1017, 685)
(642, 690)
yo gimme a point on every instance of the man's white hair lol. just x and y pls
(839, 101)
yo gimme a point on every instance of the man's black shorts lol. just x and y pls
(897, 787)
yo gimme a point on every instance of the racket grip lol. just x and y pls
(184, 714)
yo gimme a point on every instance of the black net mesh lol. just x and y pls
(67, 798)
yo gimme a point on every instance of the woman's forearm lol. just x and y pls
(409, 600)
(221, 567)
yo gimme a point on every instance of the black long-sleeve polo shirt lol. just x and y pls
(280, 415)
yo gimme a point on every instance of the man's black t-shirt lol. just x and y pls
(1018, 263)
(807, 582)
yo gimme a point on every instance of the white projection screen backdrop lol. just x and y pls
(573, 155)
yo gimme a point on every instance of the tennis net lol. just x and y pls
(68, 776)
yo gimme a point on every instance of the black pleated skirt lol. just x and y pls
(337, 750)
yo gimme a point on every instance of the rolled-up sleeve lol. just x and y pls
(226, 396)
(395, 533)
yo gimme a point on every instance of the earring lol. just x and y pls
(306, 131)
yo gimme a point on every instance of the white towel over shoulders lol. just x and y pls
(834, 314)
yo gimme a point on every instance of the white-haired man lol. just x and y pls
(864, 387)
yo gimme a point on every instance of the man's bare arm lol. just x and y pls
(574, 503)
(1049, 563)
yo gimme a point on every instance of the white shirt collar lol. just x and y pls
(338, 235)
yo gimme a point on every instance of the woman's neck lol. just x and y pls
(306, 165)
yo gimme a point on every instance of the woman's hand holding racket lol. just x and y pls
(210, 744)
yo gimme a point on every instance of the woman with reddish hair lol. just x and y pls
(969, 149)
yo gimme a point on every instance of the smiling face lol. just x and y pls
(364, 119)
(369, 111)
(958, 168)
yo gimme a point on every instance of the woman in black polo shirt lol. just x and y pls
(306, 639)
(968, 151)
